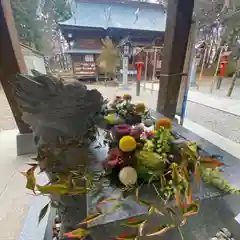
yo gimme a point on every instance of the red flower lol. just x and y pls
(114, 158)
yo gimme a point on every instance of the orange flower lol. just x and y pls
(163, 122)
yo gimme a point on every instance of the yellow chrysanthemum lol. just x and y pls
(140, 108)
(127, 97)
(164, 122)
(127, 144)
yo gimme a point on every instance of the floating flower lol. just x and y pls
(163, 122)
(127, 97)
(127, 144)
(140, 108)
(128, 176)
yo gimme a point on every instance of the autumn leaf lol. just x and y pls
(141, 227)
(189, 194)
(185, 174)
(161, 230)
(108, 200)
(191, 209)
(127, 236)
(178, 200)
(79, 233)
(175, 174)
(210, 162)
(31, 180)
(53, 189)
(184, 221)
(43, 213)
(133, 223)
(197, 172)
(91, 218)
(137, 193)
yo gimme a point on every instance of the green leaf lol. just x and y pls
(91, 218)
(133, 222)
(79, 233)
(161, 230)
(43, 213)
(143, 202)
(31, 180)
(53, 189)
(151, 210)
(127, 236)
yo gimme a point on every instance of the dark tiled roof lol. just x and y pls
(117, 15)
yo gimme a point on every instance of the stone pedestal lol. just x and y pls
(25, 144)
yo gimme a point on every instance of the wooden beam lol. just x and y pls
(179, 18)
(11, 60)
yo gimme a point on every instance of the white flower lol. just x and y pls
(128, 176)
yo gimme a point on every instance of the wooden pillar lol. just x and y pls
(179, 18)
(11, 59)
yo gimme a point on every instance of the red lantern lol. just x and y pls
(223, 64)
(139, 64)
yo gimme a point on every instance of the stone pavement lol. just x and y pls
(14, 198)
(218, 99)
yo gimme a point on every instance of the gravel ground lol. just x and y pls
(225, 124)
